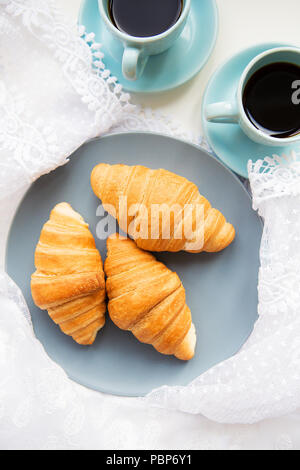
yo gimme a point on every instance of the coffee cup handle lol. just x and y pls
(133, 63)
(223, 112)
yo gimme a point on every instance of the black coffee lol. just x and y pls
(268, 100)
(143, 18)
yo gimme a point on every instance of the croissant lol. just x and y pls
(148, 299)
(146, 190)
(69, 279)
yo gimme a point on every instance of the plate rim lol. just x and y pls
(111, 136)
(198, 68)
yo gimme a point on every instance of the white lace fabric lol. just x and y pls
(55, 93)
(51, 100)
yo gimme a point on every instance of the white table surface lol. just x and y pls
(242, 23)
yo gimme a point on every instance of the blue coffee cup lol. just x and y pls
(234, 112)
(138, 49)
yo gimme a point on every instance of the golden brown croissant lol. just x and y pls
(148, 299)
(145, 189)
(69, 279)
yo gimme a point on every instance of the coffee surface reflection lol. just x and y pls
(144, 18)
(268, 100)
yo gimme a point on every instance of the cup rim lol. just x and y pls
(252, 63)
(148, 39)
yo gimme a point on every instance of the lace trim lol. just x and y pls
(83, 67)
(24, 142)
(81, 61)
(275, 177)
(78, 53)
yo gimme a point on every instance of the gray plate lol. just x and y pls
(221, 288)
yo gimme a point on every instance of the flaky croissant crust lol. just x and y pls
(148, 299)
(149, 188)
(69, 279)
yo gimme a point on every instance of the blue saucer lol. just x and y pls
(228, 141)
(170, 69)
